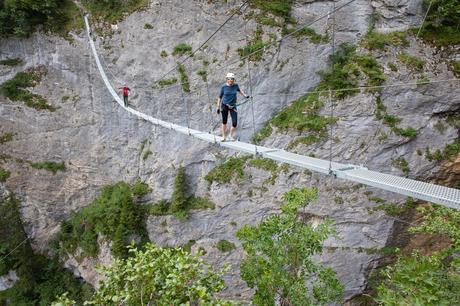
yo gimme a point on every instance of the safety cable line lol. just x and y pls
(4, 257)
(330, 94)
(206, 41)
(423, 21)
(276, 41)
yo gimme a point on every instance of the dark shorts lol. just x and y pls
(233, 114)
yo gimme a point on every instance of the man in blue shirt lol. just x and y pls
(227, 103)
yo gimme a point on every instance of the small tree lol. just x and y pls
(279, 264)
(159, 276)
(180, 193)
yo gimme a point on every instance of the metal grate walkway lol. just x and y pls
(424, 191)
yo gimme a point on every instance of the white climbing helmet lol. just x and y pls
(230, 76)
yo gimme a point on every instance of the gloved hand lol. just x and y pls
(218, 111)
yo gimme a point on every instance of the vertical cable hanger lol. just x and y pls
(331, 129)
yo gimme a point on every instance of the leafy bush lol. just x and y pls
(159, 276)
(441, 24)
(167, 82)
(50, 166)
(283, 276)
(40, 278)
(11, 62)
(263, 133)
(225, 172)
(4, 174)
(183, 78)
(380, 41)
(15, 89)
(225, 246)
(21, 18)
(182, 49)
(113, 10)
(6, 137)
(114, 215)
(140, 189)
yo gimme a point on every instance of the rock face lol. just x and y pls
(8, 280)
(100, 143)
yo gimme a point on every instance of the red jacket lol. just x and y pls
(125, 90)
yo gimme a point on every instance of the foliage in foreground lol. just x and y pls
(159, 276)
(114, 215)
(40, 278)
(427, 280)
(279, 260)
(113, 10)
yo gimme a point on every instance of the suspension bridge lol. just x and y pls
(445, 196)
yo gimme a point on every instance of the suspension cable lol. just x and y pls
(424, 18)
(206, 41)
(330, 94)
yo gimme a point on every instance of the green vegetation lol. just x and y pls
(402, 164)
(441, 24)
(6, 137)
(113, 10)
(4, 174)
(40, 279)
(146, 154)
(167, 82)
(163, 53)
(148, 26)
(346, 68)
(159, 276)
(225, 246)
(11, 62)
(254, 45)
(50, 166)
(114, 215)
(393, 67)
(306, 140)
(267, 165)
(269, 21)
(281, 8)
(183, 78)
(426, 280)
(182, 49)
(21, 18)
(392, 121)
(306, 32)
(393, 209)
(140, 189)
(412, 62)
(456, 68)
(380, 41)
(225, 172)
(15, 89)
(181, 202)
(449, 152)
(203, 74)
(290, 276)
(263, 133)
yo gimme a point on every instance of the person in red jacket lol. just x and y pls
(125, 91)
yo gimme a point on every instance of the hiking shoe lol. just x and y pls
(232, 139)
(223, 140)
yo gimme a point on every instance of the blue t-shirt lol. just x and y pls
(228, 94)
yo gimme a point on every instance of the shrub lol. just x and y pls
(11, 62)
(15, 89)
(380, 41)
(50, 166)
(291, 275)
(263, 133)
(167, 82)
(182, 49)
(6, 137)
(225, 246)
(276, 7)
(203, 74)
(441, 24)
(402, 164)
(225, 172)
(4, 174)
(113, 10)
(408, 132)
(140, 189)
(180, 193)
(412, 62)
(148, 26)
(183, 78)
(311, 34)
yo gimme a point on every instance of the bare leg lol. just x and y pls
(232, 130)
(224, 129)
